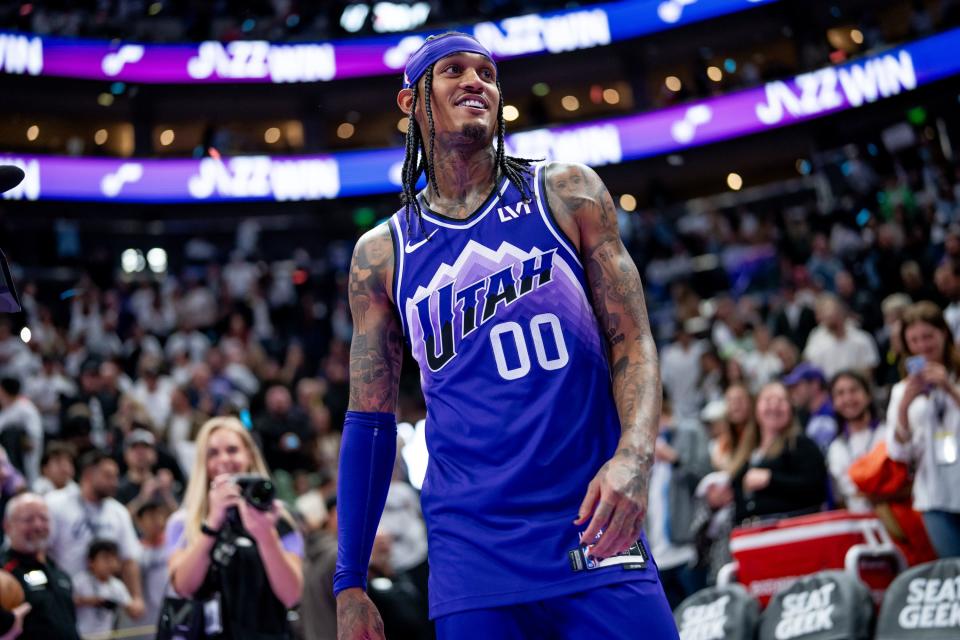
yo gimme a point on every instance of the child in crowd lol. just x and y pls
(151, 520)
(56, 469)
(98, 593)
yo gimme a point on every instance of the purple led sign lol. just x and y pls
(244, 61)
(776, 104)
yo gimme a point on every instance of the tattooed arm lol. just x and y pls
(377, 348)
(617, 496)
(375, 356)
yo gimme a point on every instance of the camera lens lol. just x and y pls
(258, 491)
(260, 494)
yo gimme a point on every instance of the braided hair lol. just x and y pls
(418, 156)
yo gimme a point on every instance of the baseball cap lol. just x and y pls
(140, 436)
(804, 372)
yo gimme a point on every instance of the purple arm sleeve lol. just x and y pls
(367, 453)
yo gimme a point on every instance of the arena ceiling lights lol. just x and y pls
(776, 104)
(258, 61)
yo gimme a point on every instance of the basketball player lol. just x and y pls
(527, 318)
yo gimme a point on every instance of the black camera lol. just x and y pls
(258, 491)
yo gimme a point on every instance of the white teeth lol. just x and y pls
(473, 103)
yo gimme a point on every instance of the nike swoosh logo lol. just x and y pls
(410, 248)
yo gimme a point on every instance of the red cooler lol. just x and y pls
(770, 556)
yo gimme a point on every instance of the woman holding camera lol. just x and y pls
(924, 414)
(232, 550)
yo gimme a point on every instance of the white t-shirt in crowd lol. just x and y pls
(680, 372)
(75, 523)
(98, 622)
(843, 451)
(24, 413)
(934, 484)
(855, 350)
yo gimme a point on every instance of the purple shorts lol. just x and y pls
(621, 610)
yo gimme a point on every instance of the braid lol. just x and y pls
(427, 90)
(412, 164)
(515, 169)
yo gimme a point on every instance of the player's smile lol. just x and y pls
(473, 103)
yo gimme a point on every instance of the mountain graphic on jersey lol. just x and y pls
(485, 286)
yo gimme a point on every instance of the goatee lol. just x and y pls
(474, 132)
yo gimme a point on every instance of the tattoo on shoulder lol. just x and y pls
(617, 293)
(376, 349)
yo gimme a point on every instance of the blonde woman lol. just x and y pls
(243, 563)
(786, 472)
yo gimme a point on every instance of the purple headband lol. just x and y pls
(438, 48)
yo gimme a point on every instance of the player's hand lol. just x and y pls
(617, 498)
(357, 617)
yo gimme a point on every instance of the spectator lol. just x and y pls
(858, 300)
(143, 482)
(947, 279)
(319, 607)
(182, 428)
(860, 431)
(56, 469)
(924, 416)
(403, 522)
(810, 398)
(79, 518)
(889, 341)
(681, 459)
(680, 371)
(396, 597)
(46, 388)
(914, 284)
(26, 522)
(823, 265)
(787, 352)
(837, 343)
(255, 583)
(786, 473)
(741, 440)
(98, 593)
(186, 339)
(153, 391)
(285, 431)
(20, 416)
(15, 357)
(761, 363)
(97, 410)
(795, 319)
(151, 519)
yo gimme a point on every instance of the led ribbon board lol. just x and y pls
(776, 104)
(265, 62)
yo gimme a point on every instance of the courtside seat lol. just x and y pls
(718, 613)
(923, 603)
(828, 605)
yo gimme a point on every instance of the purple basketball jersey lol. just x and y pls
(520, 411)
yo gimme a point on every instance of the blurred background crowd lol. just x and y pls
(803, 285)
